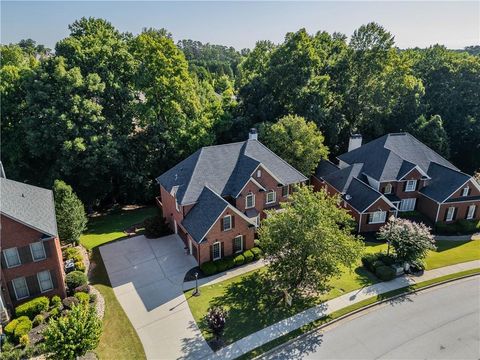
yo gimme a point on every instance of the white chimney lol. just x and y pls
(355, 142)
(253, 135)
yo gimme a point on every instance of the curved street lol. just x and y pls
(439, 323)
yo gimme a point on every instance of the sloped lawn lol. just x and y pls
(252, 306)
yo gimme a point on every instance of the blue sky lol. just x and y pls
(240, 24)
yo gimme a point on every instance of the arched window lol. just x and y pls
(388, 189)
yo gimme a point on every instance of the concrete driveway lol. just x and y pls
(147, 277)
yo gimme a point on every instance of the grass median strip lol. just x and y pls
(350, 309)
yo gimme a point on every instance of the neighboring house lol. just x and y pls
(396, 172)
(215, 198)
(31, 257)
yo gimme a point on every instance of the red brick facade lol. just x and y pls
(20, 236)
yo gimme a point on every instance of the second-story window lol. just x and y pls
(227, 223)
(388, 189)
(411, 185)
(465, 191)
(285, 191)
(259, 173)
(271, 197)
(11, 257)
(250, 201)
(450, 214)
(38, 251)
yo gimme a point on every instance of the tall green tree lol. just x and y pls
(309, 241)
(431, 133)
(297, 141)
(71, 218)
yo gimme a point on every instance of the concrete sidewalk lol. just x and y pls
(285, 326)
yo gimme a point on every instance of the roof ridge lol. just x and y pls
(220, 145)
(27, 184)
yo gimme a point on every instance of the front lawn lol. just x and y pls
(106, 228)
(253, 307)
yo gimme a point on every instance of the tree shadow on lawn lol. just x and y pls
(254, 304)
(444, 245)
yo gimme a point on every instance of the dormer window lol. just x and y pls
(250, 201)
(411, 185)
(465, 191)
(227, 223)
(259, 173)
(388, 189)
(271, 197)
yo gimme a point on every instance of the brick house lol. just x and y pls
(397, 173)
(214, 199)
(31, 255)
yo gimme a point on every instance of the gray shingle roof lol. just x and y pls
(325, 167)
(391, 156)
(342, 178)
(361, 195)
(444, 182)
(225, 169)
(30, 205)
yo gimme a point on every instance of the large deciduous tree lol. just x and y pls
(309, 241)
(432, 133)
(297, 141)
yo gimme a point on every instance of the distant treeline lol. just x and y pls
(107, 112)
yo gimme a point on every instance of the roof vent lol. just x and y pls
(253, 135)
(347, 197)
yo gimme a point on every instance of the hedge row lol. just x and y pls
(213, 267)
(460, 227)
(380, 264)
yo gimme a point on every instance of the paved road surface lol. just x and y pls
(441, 323)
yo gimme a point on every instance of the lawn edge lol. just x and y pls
(353, 310)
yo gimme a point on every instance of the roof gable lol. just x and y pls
(444, 182)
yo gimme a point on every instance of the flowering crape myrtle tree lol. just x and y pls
(216, 318)
(309, 242)
(410, 240)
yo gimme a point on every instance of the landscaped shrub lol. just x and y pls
(55, 312)
(33, 307)
(377, 264)
(70, 301)
(37, 320)
(248, 256)
(155, 227)
(24, 340)
(239, 260)
(256, 243)
(56, 301)
(80, 266)
(221, 265)
(92, 298)
(18, 327)
(72, 253)
(257, 252)
(82, 297)
(83, 288)
(209, 268)
(230, 263)
(368, 261)
(387, 259)
(385, 273)
(76, 279)
(10, 328)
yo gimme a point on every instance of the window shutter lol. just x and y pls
(211, 252)
(222, 247)
(33, 286)
(4, 262)
(25, 254)
(445, 215)
(369, 218)
(405, 185)
(233, 246)
(11, 291)
(47, 245)
(455, 210)
(53, 275)
(233, 222)
(221, 224)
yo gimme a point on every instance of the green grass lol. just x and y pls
(349, 309)
(252, 306)
(106, 228)
(119, 339)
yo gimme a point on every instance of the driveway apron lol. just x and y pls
(147, 278)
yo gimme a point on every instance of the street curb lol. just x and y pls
(362, 309)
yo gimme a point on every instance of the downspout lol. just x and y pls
(360, 223)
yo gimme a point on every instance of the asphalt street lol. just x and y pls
(439, 323)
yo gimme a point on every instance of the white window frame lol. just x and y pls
(465, 191)
(274, 197)
(241, 243)
(6, 258)
(450, 213)
(408, 187)
(43, 249)
(378, 217)
(15, 287)
(471, 212)
(389, 187)
(177, 207)
(219, 244)
(40, 283)
(259, 173)
(230, 223)
(257, 220)
(411, 208)
(288, 191)
(253, 200)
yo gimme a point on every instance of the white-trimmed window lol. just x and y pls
(271, 197)
(257, 220)
(11, 257)
(471, 212)
(450, 213)
(411, 185)
(465, 191)
(227, 223)
(217, 251)
(249, 201)
(238, 244)
(20, 288)
(408, 204)
(38, 251)
(45, 281)
(259, 173)
(388, 189)
(377, 217)
(285, 191)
